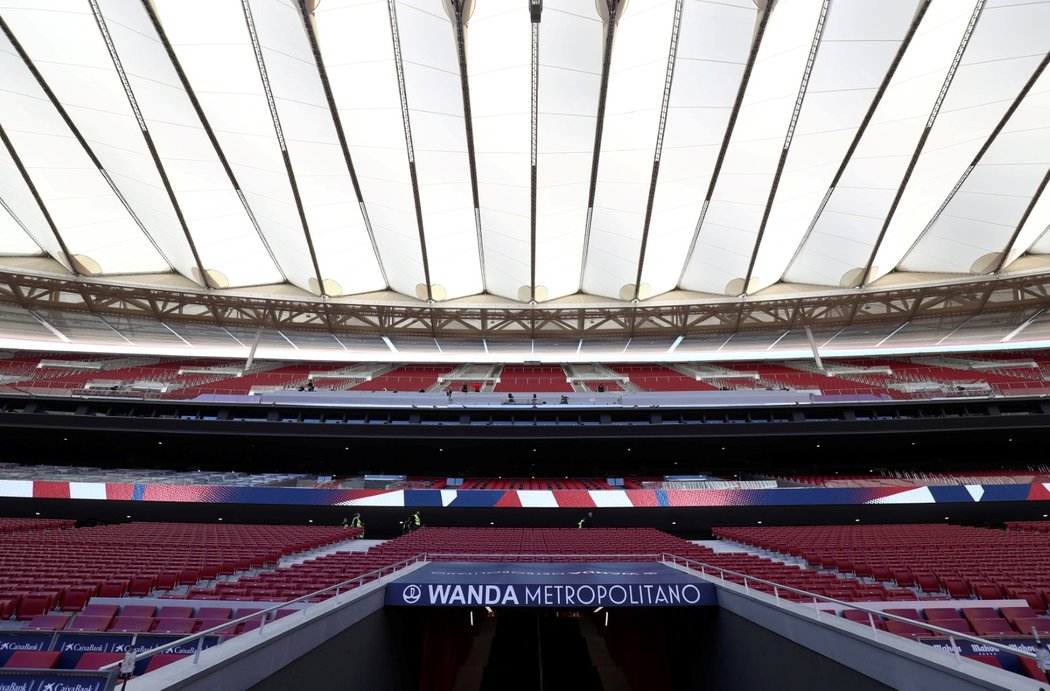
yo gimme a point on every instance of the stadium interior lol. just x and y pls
(558, 345)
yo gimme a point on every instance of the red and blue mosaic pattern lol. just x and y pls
(574, 499)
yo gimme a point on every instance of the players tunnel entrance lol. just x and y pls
(555, 650)
(546, 625)
(614, 649)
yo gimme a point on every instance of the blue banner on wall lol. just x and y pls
(55, 680)
(562, 585)
(1008, 661)
(10, 643)
(72, 646)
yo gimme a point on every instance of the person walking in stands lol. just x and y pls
(406, 526)
(585, 522)
(357, 523)
(417, 521)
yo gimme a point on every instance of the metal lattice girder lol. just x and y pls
(515, 322)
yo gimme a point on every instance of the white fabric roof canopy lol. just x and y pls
(532, 151)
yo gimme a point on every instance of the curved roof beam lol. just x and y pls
(865, 275)
(535, 16)
(147, 5)
(67, 258)
(713, 45)
(977, 159)
(409, 147)
(337, 121)
(429, 74)
(612, 8)
(460, 9)
(756, 43)
(814, 47)
(848, 156)
(75, 131)
(1004, 257)
(23, 228)
(672, 53)
(275, 116)
(202, 277)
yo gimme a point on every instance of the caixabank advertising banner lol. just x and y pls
(11, 643)
(55, 680)
(72, 646)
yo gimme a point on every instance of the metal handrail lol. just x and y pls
(200, 635)
(777, 587)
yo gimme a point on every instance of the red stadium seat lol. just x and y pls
(214, 613)
(183, 625)
(114, 588)
(34, 604)
(74, 598)
(174, 612)
(161, 660)
(992, 627)
(1025, 626)
(1031, 669)
(974, 613)
(33, 659)
(141, 586)
(99, 610)
(131, 624)
(904, 629)
(97, 660)
(138, 611)
(47, 622)
(90, 622)
(7, 608)
(1013, 613)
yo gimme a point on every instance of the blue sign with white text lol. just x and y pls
(562, 585)
(971, 648)
(55, 680)
(11, 643)
(72, 646)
